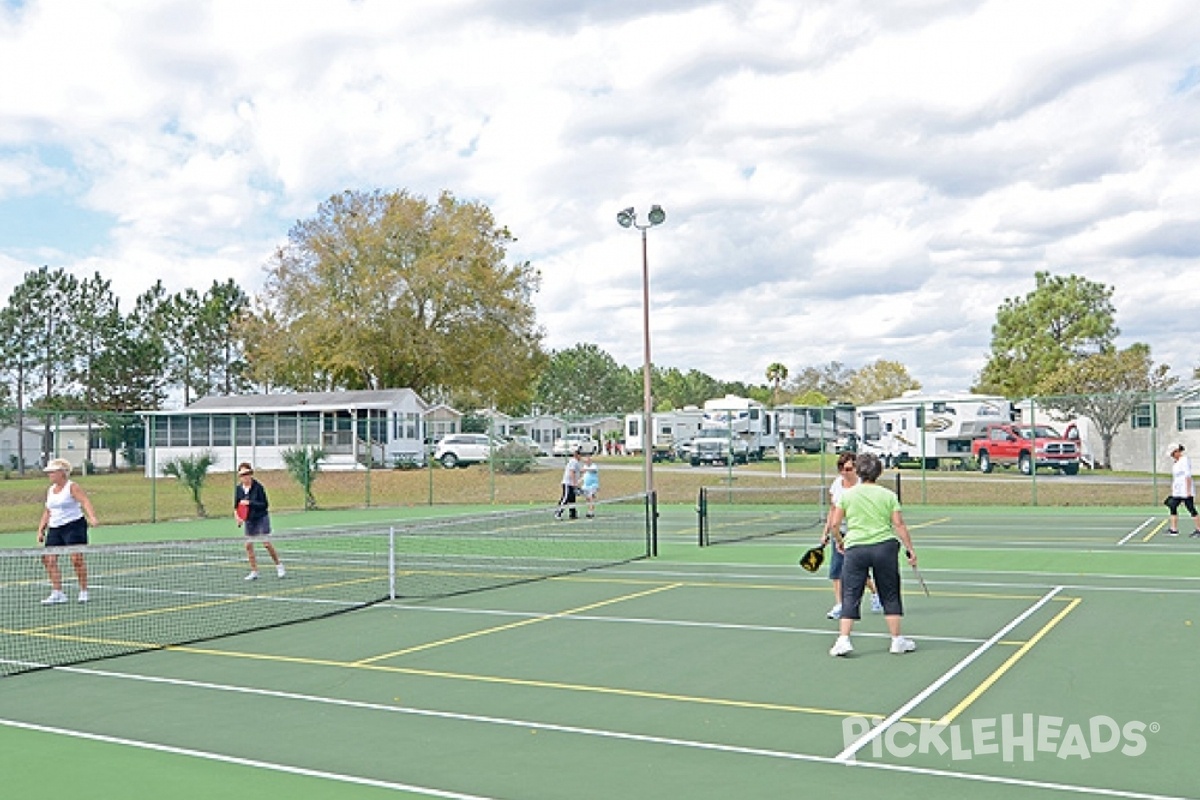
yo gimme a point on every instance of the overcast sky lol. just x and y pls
(843, 180)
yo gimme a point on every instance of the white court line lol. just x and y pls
(243, 762)
(1136, 531)
(672, 623)
(849, 753)
(525, 724)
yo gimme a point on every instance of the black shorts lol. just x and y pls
(1174, 502)
(73, 533)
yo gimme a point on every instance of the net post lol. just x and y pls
(652, 531)
(392, 562)
(898, 495)
(701, 517)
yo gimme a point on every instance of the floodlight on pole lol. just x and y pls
(628, 219)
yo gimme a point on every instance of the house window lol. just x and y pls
(177, 431)
(287, 428)
(264, 430)
(222, 431)
(412, 426)
(310, 427)
(1143, 416)
(243, 428)
(201, 431)
(1187, 418)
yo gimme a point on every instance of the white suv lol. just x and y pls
(585, 444)
(460, 449)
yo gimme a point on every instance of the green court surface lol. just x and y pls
(1055, 658)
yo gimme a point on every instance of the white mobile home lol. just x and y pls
(914, 426)
(21, 447)
(542, 428)
(354, 428)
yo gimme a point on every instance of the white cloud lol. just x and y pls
(847, 180)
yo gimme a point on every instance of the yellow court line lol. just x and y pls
(512, 625)
(1155, 530)
(930, 522)
(1013, 659)
(781, 587)
(493, 679)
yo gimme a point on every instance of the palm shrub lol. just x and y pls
(192, 471)
(303, 464)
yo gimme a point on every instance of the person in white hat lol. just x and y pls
(1183, 490)
(64, 524)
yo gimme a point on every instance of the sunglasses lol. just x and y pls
(848, 468)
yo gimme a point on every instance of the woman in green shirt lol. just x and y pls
(875, 530)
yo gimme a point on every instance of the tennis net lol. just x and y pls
(738, 513)
(155, 595)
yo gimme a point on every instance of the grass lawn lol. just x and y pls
(130, 497)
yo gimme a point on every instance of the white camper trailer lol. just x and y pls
(932, 427)
(749, 420)
(813, 428)
(671, 429)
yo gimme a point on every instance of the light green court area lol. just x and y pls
(1053, 661)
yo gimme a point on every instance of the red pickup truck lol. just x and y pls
(1026, 447)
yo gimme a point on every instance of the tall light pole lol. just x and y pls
(628, 219)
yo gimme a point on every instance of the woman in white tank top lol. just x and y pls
(65, 523)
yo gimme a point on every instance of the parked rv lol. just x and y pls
(812, 429)
(718, 446)
(749, 420)
(672, 430)
(916, 428)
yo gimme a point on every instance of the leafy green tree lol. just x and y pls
(674, 388)
(192, 472)
(96, 324)
(19, 332)
(811, 398)
(303, 464)
(386, 289)
(586, 380)
(221, 311)
(42, 349)
(879, 380)
(129, 374)
(831, 380)
(1064, 319)
(1106, 388)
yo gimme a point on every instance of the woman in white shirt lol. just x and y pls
(64, 525)
(1183, 490)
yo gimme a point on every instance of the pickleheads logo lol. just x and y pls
(1012, 737)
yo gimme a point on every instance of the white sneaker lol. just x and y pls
(902, 645)
(253, 576)
(841, 647)
(55, 597)
(876, 606)
(83, 596)
(835, 612)
(280, 571)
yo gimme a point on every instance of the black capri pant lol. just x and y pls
(1173, 502)
(881, 562)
